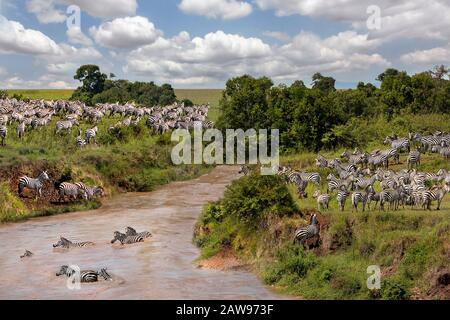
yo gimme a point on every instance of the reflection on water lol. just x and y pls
(160, 268)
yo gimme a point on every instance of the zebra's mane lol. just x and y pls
(65, 241)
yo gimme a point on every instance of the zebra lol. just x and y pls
(398, 143)
(3, 134)
(310, 231)
(323, 200)
(341, 197)
(435, 194)
(321, 162)
(20, 130)
(86, 276)
(91, 134)
(65, 125)
(27, 254)
(334, 183)
(311, 176)
(425, 141)
(362, 183)
(372, 196)
(413, 158)
(80, 142)
(295, 178)
(129, 231)
(358, 197)
(91, 192)
(67, 244)
(244, 170)
(35, 184)
(71, 189)
(124, 239)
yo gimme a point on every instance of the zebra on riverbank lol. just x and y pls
(3, 134)
(71, 190)
(34, 184)
(308, 232)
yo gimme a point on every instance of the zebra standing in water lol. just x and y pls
(35, 184)
(67, 244)
(72, 190)
(310, 231)
(3, 134)
(86, 276)
(91, 134)
(129, 231)
(124, 239)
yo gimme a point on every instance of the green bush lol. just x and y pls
(255, 197)
(392, 289)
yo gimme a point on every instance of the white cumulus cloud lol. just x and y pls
(128, 32)
(218, 9)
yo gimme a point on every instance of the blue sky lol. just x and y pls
(202, 43)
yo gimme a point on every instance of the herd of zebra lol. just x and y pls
(74, 191)
(129, 237)
(357, 177)
(39, 113)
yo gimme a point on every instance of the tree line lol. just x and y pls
(315, 118)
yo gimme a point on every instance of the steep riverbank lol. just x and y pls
(133, 161)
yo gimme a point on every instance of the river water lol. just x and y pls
(160, 268)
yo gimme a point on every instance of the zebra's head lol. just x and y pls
(63, 242)
(314, 220)
(316, 193)
(44, 176)
(118, 236)
(344, 154)
(129, 231)
(64, 270)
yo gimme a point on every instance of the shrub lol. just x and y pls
(254, 197)
(392, 289)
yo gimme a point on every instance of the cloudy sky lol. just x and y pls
(201, 43)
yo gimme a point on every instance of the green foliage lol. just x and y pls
(3, 94)
(256, 197)
(323, 117)
(292, 261)
(11, 208)
(97, 88)
(393, 289)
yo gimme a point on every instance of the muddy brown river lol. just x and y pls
(160, 268)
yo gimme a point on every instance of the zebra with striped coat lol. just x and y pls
(34, 184)
(86, 276)
(67, 244)
(91, 192)
(358, 197)
(3, 134)
(341, 198)
(124, 239)
(129, 231)
(435, 194)
(413, 158)
(91, 134)
(71, 190)
(323, 200)
(20, 130)
(308, 232)
(65, 125)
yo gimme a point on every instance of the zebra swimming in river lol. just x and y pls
(124, 239)
(27, 254)
(129, 231)
(66, 244)
(86, 276)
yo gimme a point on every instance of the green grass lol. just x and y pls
(132, 159)
(409, 245)
(198, 96)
